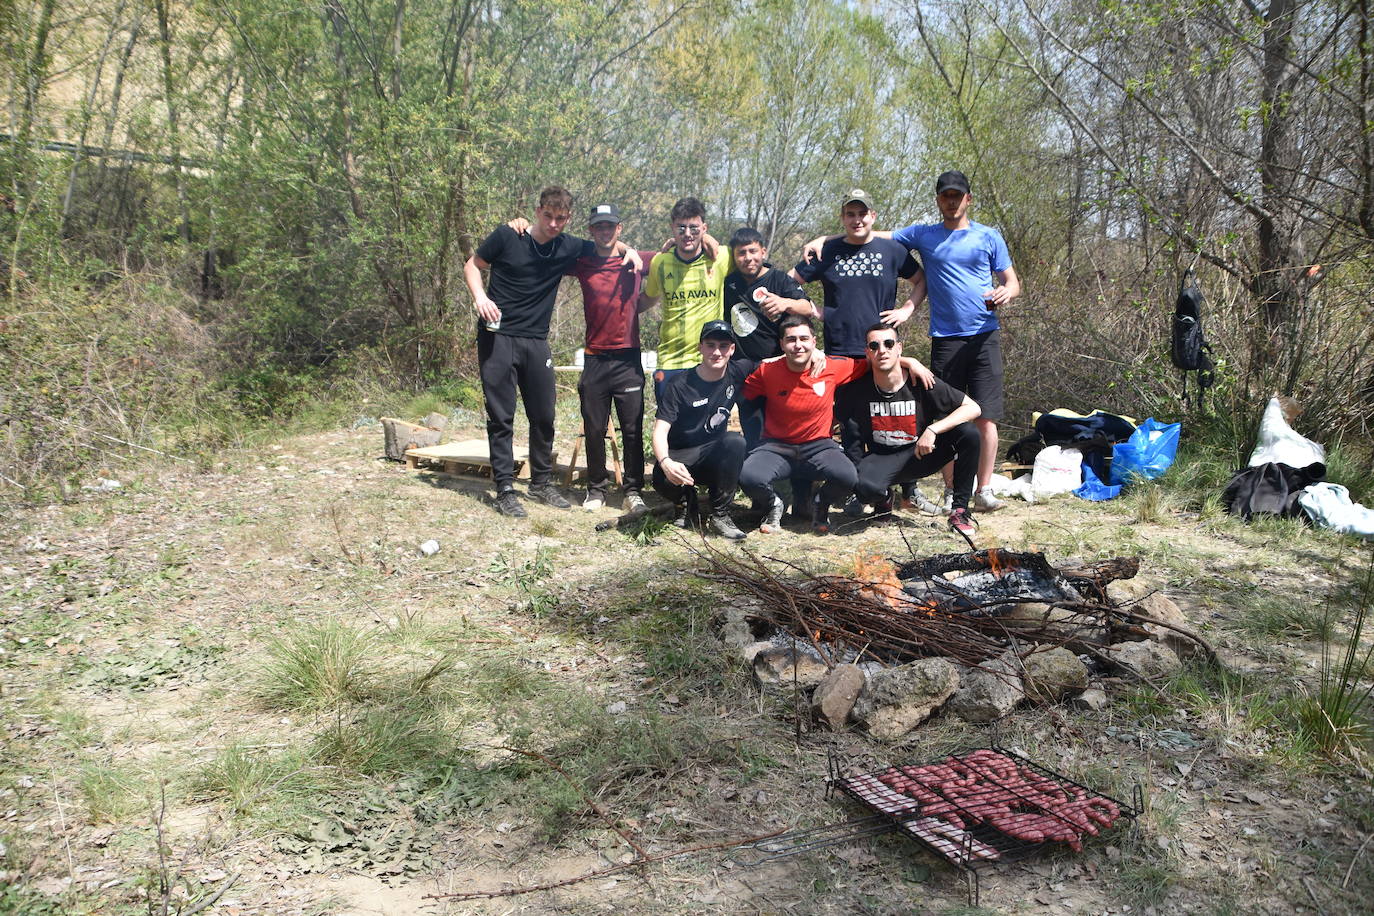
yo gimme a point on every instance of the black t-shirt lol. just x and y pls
(891, 422)
(697, 410)
(525, 276)
(756, 335)
(859, 282)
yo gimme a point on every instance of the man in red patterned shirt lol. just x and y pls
(799, 414)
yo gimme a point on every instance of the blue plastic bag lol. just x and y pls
(1093, 489)
(1147, 454)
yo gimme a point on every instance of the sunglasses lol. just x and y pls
(689, 230)
(887, 343)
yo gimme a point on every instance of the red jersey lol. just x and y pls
(800, 407)
(610, 300)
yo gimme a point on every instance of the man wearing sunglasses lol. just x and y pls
(799, 412)
(690, 284)
(910, 433)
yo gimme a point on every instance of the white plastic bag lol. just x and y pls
(1005, 486)
(1280, 445)
(1057, 470)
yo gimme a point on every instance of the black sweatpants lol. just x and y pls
(606, 378)
(774, 460)
(715, 464)
(878, 472)
(508, 364)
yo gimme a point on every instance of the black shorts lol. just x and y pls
(974, 366)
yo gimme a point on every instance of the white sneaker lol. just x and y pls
(947, 501)
(922, 504)
(634, 503)
(984, 501)
(593, 503)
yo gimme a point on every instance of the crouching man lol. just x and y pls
(909, 433)
(691, 442)
(799, 414)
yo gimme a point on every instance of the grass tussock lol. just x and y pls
(1336, 717)
(315, 667)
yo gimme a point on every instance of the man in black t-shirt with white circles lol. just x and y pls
(512, 340)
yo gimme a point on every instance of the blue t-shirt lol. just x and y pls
(859, 282)
(959, 266)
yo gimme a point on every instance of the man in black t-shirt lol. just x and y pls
(692, 444)
(512, 340)
(757, 297)
(910, 434)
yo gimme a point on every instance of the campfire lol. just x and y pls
(951, 622)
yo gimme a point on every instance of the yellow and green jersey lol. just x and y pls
(693, 294)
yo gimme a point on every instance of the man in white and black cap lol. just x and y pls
(692, 442)
(860, 274)
(612, 372)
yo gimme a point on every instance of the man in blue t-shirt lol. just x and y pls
(968, 274)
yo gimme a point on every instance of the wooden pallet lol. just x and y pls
(468, 458)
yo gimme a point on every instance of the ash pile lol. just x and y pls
(971, 634)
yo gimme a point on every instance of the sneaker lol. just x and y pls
(984, 501)
(634, 503)
(508, 504)
(820, 517)
(962, 521)
(946, 501)
(680, 515)
(772, 521)
(725, 527)
(548, 494)
(919, 502)
(594, 502)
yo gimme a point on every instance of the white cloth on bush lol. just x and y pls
(1328, 505)
(1278, 443)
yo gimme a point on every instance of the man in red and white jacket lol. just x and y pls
(799, 414)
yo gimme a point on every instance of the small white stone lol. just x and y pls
(617, 708)
(429, 548)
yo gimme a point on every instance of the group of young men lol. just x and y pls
(737, 332)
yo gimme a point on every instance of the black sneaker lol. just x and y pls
(884, 507)
(508, 504)
(548, 494)
(820, 516)
(725, 527)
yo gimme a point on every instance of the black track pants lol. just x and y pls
(509, 364)
(613, 378)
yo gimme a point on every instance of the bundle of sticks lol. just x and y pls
(876, 616)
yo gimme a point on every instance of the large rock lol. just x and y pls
(1052, 674)
(836, 694)
(740, 626)
(1145, 598)
(989, 692)
(786, 665)
(896, 700)
(1146, 659)
(1059, 625)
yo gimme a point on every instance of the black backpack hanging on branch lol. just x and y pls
(1189, 349)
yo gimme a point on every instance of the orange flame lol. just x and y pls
(996, 564)
(880, 580)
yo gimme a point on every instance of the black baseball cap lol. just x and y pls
(603, 213)
(717, 329)
(956, 180)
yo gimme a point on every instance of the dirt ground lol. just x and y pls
(136, 622)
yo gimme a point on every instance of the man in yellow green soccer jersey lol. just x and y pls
(691, 285)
